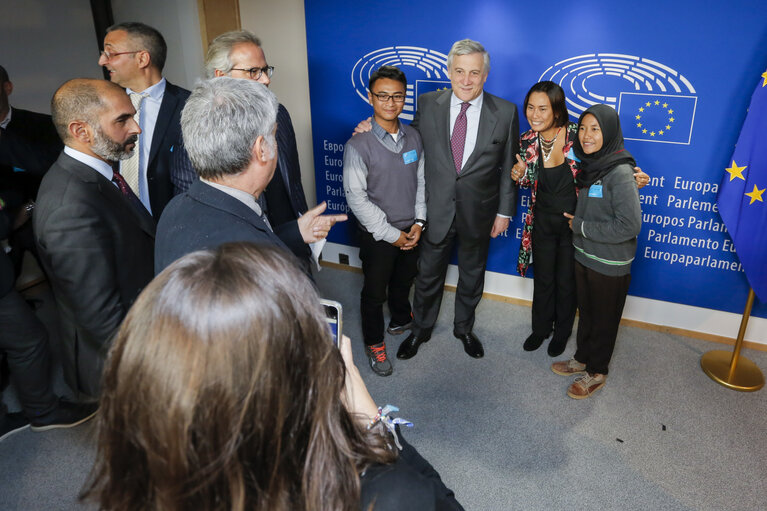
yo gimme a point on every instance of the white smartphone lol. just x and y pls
(334, 318)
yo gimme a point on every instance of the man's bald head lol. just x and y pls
(80, 99)
(95, 117)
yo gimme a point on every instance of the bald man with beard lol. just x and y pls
(96, 241)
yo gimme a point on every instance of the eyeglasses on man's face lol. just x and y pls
(256, 73)
(109, 55)
(384, 97)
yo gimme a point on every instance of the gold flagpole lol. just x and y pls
(729, 369)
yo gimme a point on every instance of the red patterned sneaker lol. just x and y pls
(379, 362)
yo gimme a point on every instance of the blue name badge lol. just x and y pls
(410, 157)
(595, 191)
(571, 155)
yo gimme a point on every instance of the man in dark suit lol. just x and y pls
(29, 145)
(239, 54)
(232, 124)
(470, 139)
(95, 239)
(134, 54)
(25, 342)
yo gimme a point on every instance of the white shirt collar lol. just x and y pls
(4, 123)
(455, 101)
(100, 166)
(241, 195)
(155, 92)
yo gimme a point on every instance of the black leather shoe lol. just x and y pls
(557, 346)
(409, 346)
(471, 345)
(533, 342)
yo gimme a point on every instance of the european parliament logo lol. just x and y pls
(426, 71)
(655, 102)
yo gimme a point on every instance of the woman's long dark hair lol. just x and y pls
(222, 391)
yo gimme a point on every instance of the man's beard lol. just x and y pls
(110, 149)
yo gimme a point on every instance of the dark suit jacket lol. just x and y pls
(97, 250)
(287, 163)
(484, 187)
(28, 147)
(7, 275)
(167, 151)
(204, 217)
(288, 171)
(30, 142)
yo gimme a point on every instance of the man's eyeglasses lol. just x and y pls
(256, 72)
(109, 56)
(384, 98)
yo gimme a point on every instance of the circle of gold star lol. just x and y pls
(648, 106)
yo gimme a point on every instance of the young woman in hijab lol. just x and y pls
(605, 226)
(549, 168)
(224, 391)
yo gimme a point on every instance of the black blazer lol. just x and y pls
(184, 176)
(167, 151)
(29, 142)
(7, 275)
(287, 163)
(96, 249)
(408, 483)
(204, 217)
(28, 147)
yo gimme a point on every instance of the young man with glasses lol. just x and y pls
(384, 186)
(134, 55)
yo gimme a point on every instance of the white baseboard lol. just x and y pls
(645, 310)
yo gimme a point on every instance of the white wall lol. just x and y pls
(43, 45)
(179, 23)
(282, 30)
(281, 27)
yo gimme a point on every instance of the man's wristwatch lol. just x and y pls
(422, 223)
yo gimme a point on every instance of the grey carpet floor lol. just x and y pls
(501, 431)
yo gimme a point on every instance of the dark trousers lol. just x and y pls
(600, 303)
(430, 281)
(554, 299)
(385, 268)
(25, 342)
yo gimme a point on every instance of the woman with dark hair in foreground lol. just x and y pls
(223, 390)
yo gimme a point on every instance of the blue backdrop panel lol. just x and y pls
(679, 75)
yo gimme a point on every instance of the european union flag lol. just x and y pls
(657, 117)
(742, 193)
